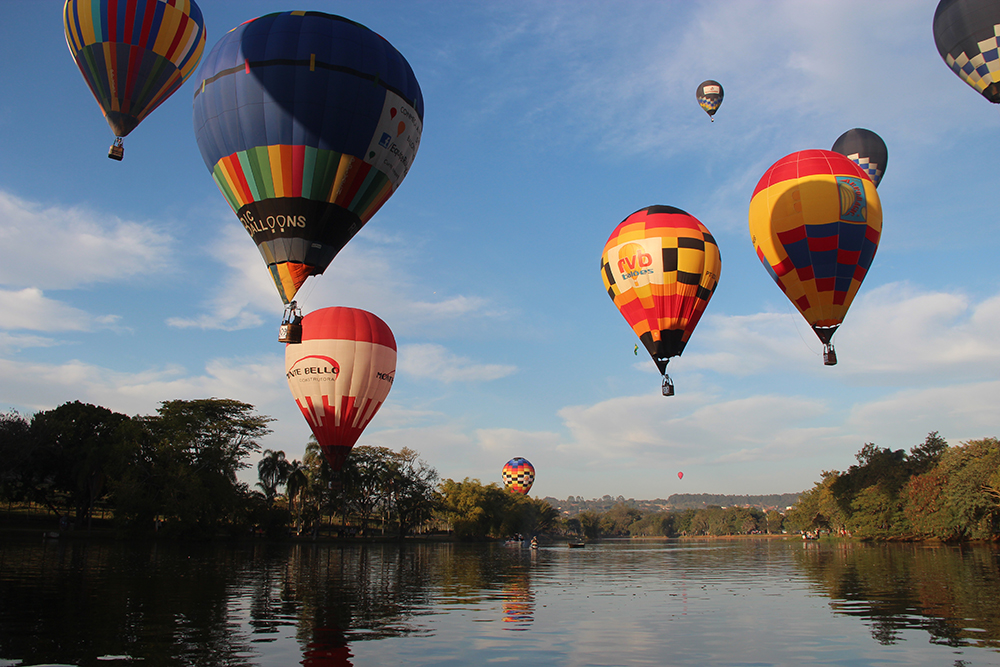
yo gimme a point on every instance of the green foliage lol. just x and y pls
(474, 511)
(948, 493)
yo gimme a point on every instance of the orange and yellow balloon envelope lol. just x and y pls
(815, 222)
(661, 266)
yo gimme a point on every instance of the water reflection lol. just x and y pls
(951, 592)
(83, 603)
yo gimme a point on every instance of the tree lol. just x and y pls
(926, 455)
(15, 473)
(73, 446)
(201, 445)
(474, 511)
(413, 494)
(272, 470)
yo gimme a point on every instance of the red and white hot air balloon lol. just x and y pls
(340, 374)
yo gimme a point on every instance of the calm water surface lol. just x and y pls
(766, 602)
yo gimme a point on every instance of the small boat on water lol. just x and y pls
(576, 545)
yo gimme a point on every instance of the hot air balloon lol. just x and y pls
(710, 96)
(680, 475)
(518, 475)
(308, 122)
(815, 222)
(660, 267)
(340, 374)
(966, 33)
(866, 149)
(133, 54)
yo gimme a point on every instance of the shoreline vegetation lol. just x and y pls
(83, 470)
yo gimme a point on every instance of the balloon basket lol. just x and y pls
(829, 355)
(668, 385)
(290, 330)
(117, 150)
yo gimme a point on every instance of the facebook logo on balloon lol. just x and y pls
(385, 140)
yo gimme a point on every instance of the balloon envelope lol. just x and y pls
(815, 222)
(518, 475)
(966, 34)
(680, 475)
(308, 122)
(133, 54)
(866, 149)
(710, 94)
(660, 267)
(340, 374)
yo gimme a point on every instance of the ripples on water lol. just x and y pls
(738, 602)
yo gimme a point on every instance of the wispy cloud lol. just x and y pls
(52, 247)
(428, 361)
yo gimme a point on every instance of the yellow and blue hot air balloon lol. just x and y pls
(133, 54)
(308, 123)
(660, 267)
(815, 222)
(967, 35)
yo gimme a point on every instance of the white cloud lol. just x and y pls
(29, 309)
(435, 362)
(63, 248)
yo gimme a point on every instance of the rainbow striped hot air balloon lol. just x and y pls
(308, 123)
(815, 222)
(518, 475)
(133, 54)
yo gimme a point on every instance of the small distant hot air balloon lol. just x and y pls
(661, 266)
(815, 222)
(518, 475)
(680, 475)
(966, 33)
(866, 149)
(133, 54)
(340, 374)
(710, 96)
(308, 123)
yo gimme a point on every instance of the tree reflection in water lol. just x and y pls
(951, 592)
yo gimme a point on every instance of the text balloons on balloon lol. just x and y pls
(661, 266)
(340, 374)
(518, 475)
(133, 54)
(866, 149)
(815, 221)
(308, 122)
(965, 33)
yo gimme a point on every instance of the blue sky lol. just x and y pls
(546, 124)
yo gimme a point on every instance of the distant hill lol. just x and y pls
(678, 501)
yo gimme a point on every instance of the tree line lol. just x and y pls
(934, 491)
(176, 473)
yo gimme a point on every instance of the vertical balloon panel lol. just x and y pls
(340, 375)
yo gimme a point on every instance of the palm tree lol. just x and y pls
(295, 482)
(273, 471)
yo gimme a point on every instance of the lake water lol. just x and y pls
(723, 602)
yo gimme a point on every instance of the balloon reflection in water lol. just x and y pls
(518, 604)
(328, 648)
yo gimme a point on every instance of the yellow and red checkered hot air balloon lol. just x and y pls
(660, 267)
(518, 475)
(815, 222)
